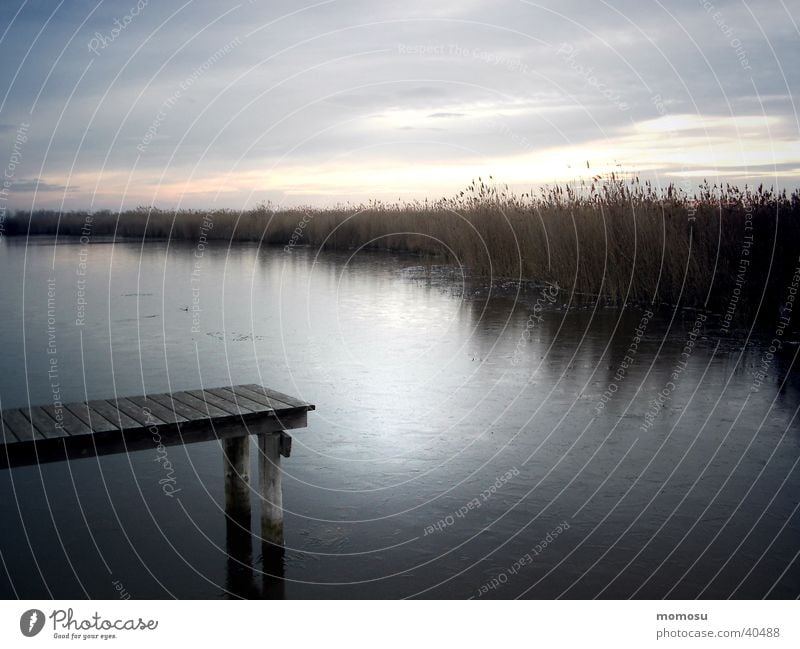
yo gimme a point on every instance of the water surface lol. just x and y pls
(458, 448)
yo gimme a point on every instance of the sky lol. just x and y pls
(195, 104)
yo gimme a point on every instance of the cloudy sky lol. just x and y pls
(136, 102)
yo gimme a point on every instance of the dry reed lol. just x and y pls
(621, 240)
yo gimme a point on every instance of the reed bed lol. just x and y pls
(619, 240)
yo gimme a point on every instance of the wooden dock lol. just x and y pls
(229, 414)
(85, 429)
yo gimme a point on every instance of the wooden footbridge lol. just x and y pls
(135, 423)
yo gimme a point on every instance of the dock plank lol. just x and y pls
(109, 411)
(279, 396)
(198, 404)
(242, 392)
(22, 426)
(93, 419)
(15, 424)
(187, 412)
(227, 393)
(44, 423)
(166, 414)
(6, 434)
(137, 413)
(72, 424)
(223, 404)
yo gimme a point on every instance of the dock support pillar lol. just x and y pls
(271, 446)
(236, 469)
(236, 459)
(269, 465)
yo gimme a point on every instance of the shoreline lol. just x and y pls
(725, 250)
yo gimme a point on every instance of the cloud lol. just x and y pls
(354, 98)
(38, 185)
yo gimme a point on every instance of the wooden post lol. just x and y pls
(271, 447)
(239, 542)
(269, 464)
(236, 458)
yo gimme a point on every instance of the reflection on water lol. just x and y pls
(431, 391)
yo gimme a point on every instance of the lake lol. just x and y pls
(470, 440)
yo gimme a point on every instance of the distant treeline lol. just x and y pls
(723, 248)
